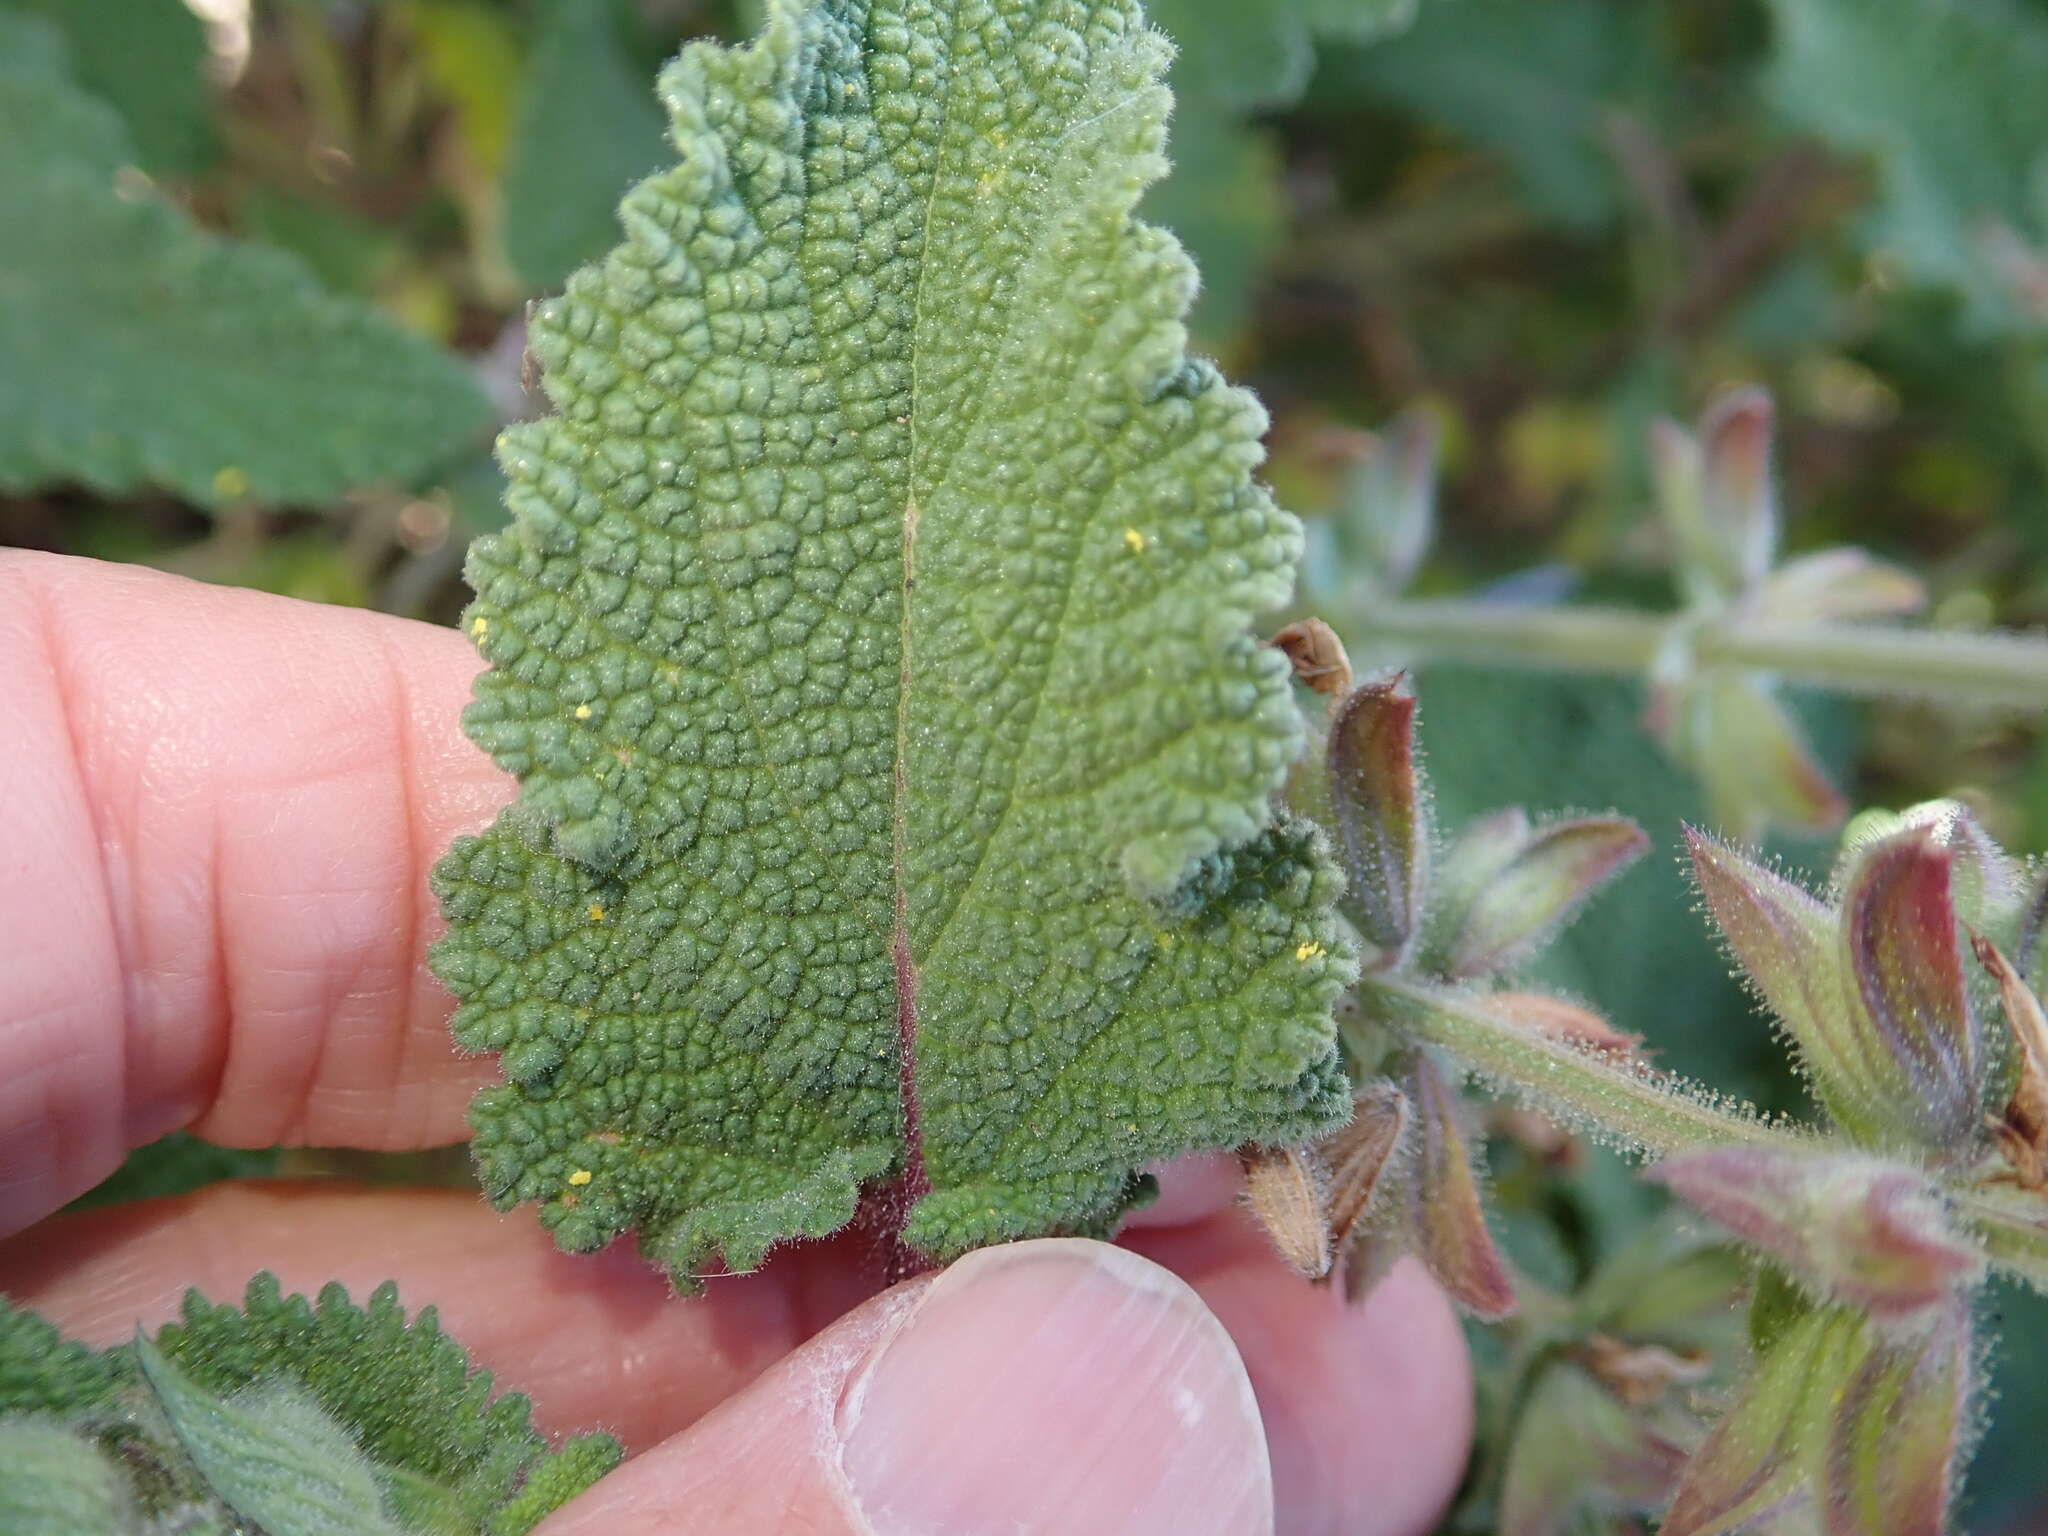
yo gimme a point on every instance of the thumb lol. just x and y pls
(1052, 1386)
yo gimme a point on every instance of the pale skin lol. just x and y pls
(217, 813)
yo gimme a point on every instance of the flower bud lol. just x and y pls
(1512, 914)
(1861, 1231)
(1888, 1467)
(1376, 799)
(1715, 495)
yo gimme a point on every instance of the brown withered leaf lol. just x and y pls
(2023, 1132)
(1284, 1186)
(1357, 1157)
(1317, 656)
(1445, 1214)
(1641, 1374)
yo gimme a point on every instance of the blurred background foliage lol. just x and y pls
(264, 266)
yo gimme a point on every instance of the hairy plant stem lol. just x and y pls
(1996, 669)
(1655, 1113)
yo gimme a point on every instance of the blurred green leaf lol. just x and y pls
(176, 1165)
(1949, 100)
(1223, 196)
(588, 128)
(143, 351)
(148, 59)
(1536, 95)
(345, 251)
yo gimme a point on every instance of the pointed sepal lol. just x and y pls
(1381, 814)
(2023, 1129)
(1446, 1216)
(1784, 940)
(1554, 873)
(1359, 1156)
(1286, 1189)
(1889, 1463)
(1758, 1463)
(1910, 1003)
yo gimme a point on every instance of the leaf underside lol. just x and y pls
(872, 641)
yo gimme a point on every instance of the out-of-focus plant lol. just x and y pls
(1905, 1000)
(1746, 619)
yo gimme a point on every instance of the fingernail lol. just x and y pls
(1056, 1386)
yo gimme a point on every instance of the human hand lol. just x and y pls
(219, 812)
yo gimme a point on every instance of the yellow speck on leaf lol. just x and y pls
(582, 711)
(597, 911)
(1134, 541)
(1165, 940)
(479, 626)
(230, 482)
(1308, 951)
(580, 1177)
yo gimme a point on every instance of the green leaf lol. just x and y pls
(271, 1455)
(873, 643)
(148, 60)
(41, 1371)
(267, 1405)
(588, 128)
(406, 1391)
(143, 351)
(56, 1484)
(1947, 101)
(1533, 95)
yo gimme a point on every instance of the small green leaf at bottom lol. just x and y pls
(271, 1454)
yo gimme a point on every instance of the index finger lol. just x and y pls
(220, 811)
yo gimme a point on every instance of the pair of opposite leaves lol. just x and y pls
(873, 643)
